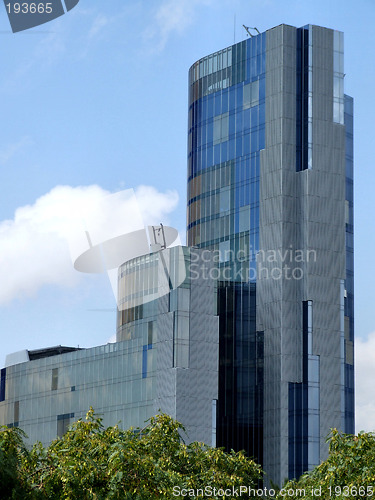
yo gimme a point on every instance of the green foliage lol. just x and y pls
(93, 462)
(13, 483)
(349, 471)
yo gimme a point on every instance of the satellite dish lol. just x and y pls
(248, 28)
(110, 254)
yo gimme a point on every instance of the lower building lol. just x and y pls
(165, 360)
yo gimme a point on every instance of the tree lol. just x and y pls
(349, 471)
(93, 462)
(13, 484)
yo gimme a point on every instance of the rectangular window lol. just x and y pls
(224, 200)
(338, 77)
(349, 352)
(144, 361)
(304, 99)
(16, 412)
(347, 327)
(150, 332)
(307, 326)
(224, 251)
(214, 413)
(313, 398)
(55, 378)
(251, 94)
(217, 129)
(224, 126)
(313, 369)
(2, 383)
(221, 128)
(244, 219)
(307, 336)
(63, 422)
(347, 212)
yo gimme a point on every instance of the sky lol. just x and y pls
(95, 103)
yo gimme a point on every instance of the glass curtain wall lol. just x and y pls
(226, 135)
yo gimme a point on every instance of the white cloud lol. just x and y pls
(34, 244)
(172, 16)
(154, 204)
(364, 383)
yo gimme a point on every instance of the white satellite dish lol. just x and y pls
(110, 254)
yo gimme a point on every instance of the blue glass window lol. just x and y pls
(2, 383)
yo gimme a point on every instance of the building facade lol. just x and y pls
(165, 358)
(270, 190)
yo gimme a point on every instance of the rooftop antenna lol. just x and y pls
(248, 28)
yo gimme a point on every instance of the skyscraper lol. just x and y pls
(270, 191)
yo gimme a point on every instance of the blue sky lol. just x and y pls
(96, 101)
